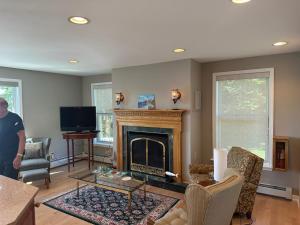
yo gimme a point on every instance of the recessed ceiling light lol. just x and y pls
(178, 50)
(280, 43)
(79, 20)
(240, 1)
(73, 61)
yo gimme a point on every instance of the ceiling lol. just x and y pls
(36, 34)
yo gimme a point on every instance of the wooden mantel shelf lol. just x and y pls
(159, 118)
(152, 114)
(151, 110)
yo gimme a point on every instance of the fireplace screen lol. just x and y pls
(148, 155)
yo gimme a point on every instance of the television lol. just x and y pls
(78, 118)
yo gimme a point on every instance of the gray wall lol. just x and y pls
(159, 79)
(286, 108)
(43, 94)
(195, 137)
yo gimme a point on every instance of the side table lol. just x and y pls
(89, 136)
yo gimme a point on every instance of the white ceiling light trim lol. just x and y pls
(78, 20)
(73, 61)
(179, 50)
(240, 1)
(280, 43)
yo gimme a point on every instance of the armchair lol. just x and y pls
(241, 161)
(250, 166)
(37, 167)
(205, 205)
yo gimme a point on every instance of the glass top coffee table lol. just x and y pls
(111, 179)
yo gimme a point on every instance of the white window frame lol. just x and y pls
(20, 92)
(245, 73)
(105, 144)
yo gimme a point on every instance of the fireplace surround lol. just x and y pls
(149, 141)
(148, 150)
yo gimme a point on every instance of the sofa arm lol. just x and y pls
(174, 216)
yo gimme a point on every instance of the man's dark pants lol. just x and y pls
(7, 169)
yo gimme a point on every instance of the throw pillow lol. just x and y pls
(33, 150)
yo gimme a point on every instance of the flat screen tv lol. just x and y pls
(78, 118)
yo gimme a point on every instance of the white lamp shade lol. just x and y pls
(220, 163)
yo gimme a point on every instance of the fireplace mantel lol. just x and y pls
(159, 118)
(165, 114)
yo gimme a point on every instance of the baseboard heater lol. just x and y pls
(277, 191)
(61, 162)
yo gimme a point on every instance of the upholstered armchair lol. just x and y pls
(211, 205)
(40, 160)
(200, 172)
(250, 166)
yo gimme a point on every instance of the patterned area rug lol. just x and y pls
(101, 206)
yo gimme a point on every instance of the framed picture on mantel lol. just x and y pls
(146, 101)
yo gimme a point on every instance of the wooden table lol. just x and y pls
(80, 136)
(111, 180)
(16, 202)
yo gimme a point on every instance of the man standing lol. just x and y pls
(12, 141)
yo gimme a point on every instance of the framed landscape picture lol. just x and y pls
(146, 101)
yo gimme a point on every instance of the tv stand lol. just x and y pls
(89, 136)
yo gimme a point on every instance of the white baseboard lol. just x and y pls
(61, 162)
(296, 198)
(100, 158)
(64, 161)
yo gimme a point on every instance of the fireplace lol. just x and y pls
(148, 149)
(149, 141)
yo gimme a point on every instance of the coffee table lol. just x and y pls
(113, 180)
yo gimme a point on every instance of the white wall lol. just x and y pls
(43, 94)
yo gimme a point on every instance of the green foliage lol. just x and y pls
(8, 93)
(243, 113)
(246, 96)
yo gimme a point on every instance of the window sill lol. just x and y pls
(267, 167)
(102, 144)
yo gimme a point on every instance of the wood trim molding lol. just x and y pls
(166, 118)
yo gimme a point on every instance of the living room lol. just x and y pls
(80, 66)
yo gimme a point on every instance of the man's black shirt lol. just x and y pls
(10, 125)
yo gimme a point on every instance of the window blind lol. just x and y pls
(242, 112)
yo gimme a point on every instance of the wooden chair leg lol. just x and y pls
(249, 215)
(47, 182)
(49, 174)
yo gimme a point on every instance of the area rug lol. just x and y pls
(101, 206)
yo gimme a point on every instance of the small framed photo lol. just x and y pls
(146, 101)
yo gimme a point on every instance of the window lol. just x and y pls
(102, 99)
(243, 111)
(11, 91)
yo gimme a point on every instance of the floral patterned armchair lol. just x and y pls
(247, 164)
(250, 166)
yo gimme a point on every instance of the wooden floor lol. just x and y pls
(267, 210)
